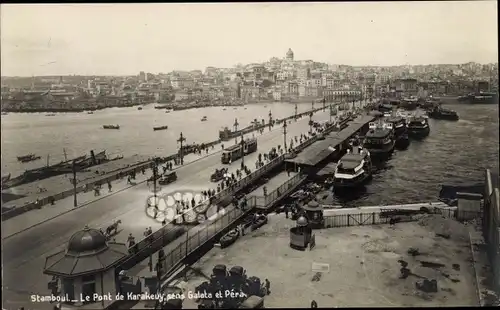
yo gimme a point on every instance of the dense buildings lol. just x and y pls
(278, 79)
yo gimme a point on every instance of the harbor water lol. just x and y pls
(454, 152)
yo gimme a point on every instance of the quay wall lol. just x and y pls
(371, 215)
(103, 179)
(491, 224)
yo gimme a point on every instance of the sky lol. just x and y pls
(123, 39)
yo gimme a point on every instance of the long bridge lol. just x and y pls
(30, 237)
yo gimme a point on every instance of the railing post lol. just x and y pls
(373, 218)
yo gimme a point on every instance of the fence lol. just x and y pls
(168, 233)
(491, 227)
(258, 127)
(280, 192)
(251, 178)
(374, 218)
(197, 237)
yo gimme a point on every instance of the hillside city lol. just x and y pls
(278, 79)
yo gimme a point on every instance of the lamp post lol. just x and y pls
(155, 174)
(331, 111)
(181, 140)
(310, 122)
(284, 136)
(312, 106)
(295, 112)
(235, 125)
(73, 168)
(242, 151)
(270, 119)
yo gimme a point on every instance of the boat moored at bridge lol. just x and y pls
(379, 139)
(354, 169)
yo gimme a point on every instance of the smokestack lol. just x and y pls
(92, 156)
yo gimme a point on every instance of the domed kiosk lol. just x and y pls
(300, 235)
(86, 267)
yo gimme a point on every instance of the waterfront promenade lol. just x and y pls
(26, 251)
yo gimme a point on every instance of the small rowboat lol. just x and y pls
(111, 126)
(160, 128)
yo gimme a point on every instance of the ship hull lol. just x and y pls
(418, 133)
(447, 117)
(381, 153)
(402, 142)
(341, 183)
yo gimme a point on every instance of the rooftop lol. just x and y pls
(87, 252)
(363, 265)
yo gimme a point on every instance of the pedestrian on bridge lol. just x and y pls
(109, 186)
(96, 190)
(268, 287)
(130, 240)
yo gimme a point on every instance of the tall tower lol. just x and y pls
(289, 55)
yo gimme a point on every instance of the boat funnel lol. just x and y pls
(92, 156)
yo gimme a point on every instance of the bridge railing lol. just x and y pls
(283, 190)
(164, 235)
(198, 236)
(145, 244)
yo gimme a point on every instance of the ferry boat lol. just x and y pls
(439, 112)
(379, 139)
(111, 126)
(27, 158)
(480, 98)
(409, 103)
(354, 169)
(418, 127)
(236, 151)
(139, 108)
(400, 131)
(385, 108)
(204, 118)
(90, 112)
(160, 128)
(51, 114)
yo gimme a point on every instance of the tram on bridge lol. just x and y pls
(237, 151)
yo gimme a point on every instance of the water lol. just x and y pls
(78, 133)
(454, 152)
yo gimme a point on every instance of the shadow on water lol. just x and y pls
(348, 197)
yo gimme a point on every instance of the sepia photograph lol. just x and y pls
(250, 155)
